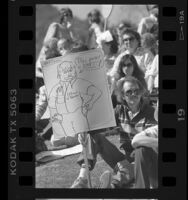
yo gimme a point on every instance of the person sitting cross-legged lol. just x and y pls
(133, 116)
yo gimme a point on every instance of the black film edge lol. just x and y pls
(172, 107)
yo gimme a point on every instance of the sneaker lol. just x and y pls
(121, 180)
(80, 183)
(124, 174)
(105, 180)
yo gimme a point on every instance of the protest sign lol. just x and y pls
(78, 94)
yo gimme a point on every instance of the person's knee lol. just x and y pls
(143, 150)
(56, 142)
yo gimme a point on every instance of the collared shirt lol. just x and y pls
(132, 115)
(140, 121)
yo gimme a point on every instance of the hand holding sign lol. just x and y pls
(106, 11)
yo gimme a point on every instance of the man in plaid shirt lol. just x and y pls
(133, 115)
(132, 122)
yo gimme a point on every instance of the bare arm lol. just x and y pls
(148, 138)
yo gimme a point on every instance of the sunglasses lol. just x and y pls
(129, 93)
(129, 39)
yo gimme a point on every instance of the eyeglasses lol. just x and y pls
(129, 93)
(129, 39)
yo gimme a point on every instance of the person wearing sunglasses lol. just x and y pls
(127, 67)
(132, 45)
(121, 27)
(133, 115)
(138, 113)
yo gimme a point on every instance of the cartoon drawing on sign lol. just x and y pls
(71, 100)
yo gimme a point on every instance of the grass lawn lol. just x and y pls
(62, 173)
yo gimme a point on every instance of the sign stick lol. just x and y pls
(106, 11)
(86, 163)
(105, 23)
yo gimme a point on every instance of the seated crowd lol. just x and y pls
(131, 62)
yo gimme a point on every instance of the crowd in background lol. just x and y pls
(117, 42)
(131, 62)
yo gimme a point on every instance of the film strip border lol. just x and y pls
(172, 108)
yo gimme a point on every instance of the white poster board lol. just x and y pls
(78, 95)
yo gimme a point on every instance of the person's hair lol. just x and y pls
(154, 30)
(67, 43)
(94, 16)
(64, 11)
(132, 32)
(155, 11)
(124, 25)
(120, 84)
(151, 7)
(51, 43)
(113, 45)
(137, 72)
(149, 41)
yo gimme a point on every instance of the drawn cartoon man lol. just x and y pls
(71, 99)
